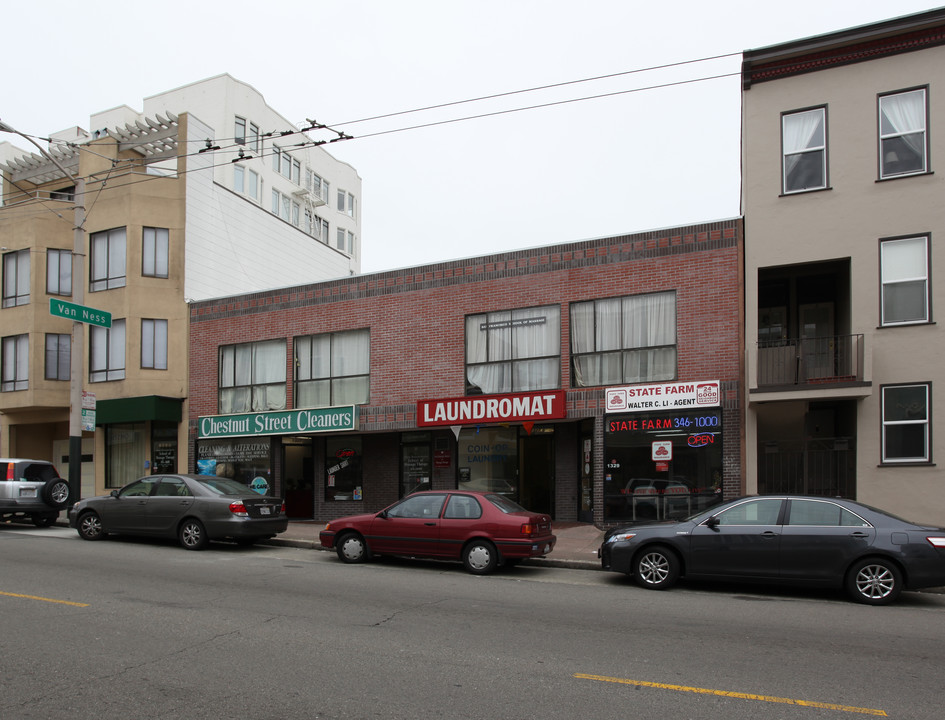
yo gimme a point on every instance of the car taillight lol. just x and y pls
(10, 476)
(529, 529)
(938, 542)
(239, 509)
(282, 509)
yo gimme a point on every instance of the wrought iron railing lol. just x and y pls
(810, 361)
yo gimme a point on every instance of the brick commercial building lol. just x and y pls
(596, 381)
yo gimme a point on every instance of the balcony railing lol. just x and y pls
(810, 361)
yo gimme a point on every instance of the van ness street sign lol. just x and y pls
(79, 313)
(285, 422)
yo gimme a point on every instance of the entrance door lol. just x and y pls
(298, 472)
(537, 473)
(817, 336)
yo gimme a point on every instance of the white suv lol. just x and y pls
(31, 489)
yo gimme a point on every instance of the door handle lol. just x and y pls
(431, 524)
(768, 535)
(859, 534)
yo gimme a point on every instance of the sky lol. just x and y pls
(634, 150)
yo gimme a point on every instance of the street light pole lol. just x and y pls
(78, 331)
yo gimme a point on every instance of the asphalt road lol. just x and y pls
(136, 629)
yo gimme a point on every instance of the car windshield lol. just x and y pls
(504, 504)
(223, 486)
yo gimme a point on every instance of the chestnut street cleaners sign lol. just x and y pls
(484, 409)
(286, 422)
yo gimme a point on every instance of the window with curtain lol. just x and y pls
(333, 369)
(804, 150)
(107, 261)
(16, 278)
(513, 350)
(58, 272)
(154, 248)
(107, 352)
(15, 363)
(125, 453)
(252, 377)
(904, 269)
(903, 141)
(625, 340)
(906, 423)
(58, 356)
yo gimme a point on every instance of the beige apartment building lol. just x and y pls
(844, 215)
(205, 192)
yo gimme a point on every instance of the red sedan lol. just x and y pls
(482, 529)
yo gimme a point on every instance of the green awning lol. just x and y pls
(138, 409)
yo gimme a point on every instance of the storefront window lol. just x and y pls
(416, 464)
(163, 447)
(488, 460)
(246, 460)
(343, 468)
(662, 465)
(125, 448)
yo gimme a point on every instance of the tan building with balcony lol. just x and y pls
(206, 192)
(843, 215)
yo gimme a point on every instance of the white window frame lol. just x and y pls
(239, 179)
(803, 133)
(239, 130)
(249, 379)
(895, 125)
(896, 273)
(15, 363)
(107, 352)
(154, 344)
(892, 420)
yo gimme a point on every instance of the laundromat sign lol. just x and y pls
(286, 422)
(670, 396)
(484, 409)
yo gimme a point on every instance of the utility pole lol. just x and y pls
(78, 331)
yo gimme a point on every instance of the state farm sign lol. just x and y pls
(482, 409)
(670, 396)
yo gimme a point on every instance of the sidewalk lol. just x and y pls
(576, 546)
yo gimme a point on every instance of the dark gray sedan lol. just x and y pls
(194, 509)
(811, 541)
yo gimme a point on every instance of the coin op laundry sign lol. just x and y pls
(670, 396)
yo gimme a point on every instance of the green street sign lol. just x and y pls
(79, 313)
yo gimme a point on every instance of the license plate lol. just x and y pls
(27, 492)
(264, 511)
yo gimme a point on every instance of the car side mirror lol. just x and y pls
(382, 515)
(114, 493)
(712, 523)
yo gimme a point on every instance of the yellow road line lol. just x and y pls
(49, 600)
(726, 693)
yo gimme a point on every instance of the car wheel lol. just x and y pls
(351, 548)
(56, 493)
(90, 526)
(44, 520)
(874, 581)
(480, 557)
(656, 568)
(192, 534)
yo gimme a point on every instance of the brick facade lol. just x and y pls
(417, 316)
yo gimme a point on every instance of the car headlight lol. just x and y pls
(621, 537)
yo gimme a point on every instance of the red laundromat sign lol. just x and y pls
(485, 409)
